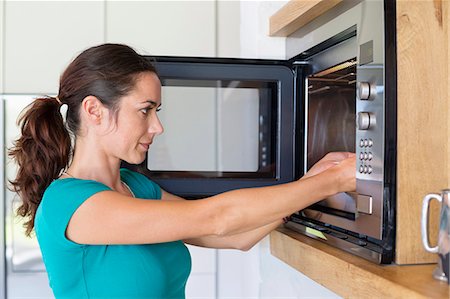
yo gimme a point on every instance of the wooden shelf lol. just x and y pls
(296, 14)
(350, 276)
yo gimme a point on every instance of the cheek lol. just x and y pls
(130, 132)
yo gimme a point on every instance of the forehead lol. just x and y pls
(147, 87)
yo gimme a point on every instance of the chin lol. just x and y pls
(134, 160)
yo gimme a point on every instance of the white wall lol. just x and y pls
(255, 39)
(228, 28)
(183, 28)
(42, 37)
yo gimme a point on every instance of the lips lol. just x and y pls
(145, 146)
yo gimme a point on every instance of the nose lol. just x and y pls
(155, 126)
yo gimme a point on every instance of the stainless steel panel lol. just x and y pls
(369, 225)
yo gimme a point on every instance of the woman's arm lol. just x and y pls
(109, 217)
(245, 241)
(242, 241)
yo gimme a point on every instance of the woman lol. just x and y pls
(100, 234)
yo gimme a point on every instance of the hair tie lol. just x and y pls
(63, 111)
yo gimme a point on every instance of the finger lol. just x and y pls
(338, 156)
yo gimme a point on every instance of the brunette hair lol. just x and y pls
(43, 150)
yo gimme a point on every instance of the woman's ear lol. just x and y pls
(92, 109)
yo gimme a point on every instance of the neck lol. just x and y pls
(91, 163)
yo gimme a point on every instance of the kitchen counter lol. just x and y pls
(350, 276)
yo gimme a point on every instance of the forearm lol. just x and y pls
(247, 209)
(242, 241)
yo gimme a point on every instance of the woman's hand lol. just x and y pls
(341, 166)
(330, 160)
(345, 172)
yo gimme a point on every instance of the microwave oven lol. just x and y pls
(239, 123)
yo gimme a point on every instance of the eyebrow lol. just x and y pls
(153, 103)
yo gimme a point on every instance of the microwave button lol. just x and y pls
(361, 169)
(361, 156)
(364, 204)
(366, 156)
(365, 120)
(361, 143)
(369, 142)
(369, 156)
(366, 91)
(369, 169)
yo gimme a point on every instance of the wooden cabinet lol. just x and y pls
(42, 37)
(423, 112)
(183, 28)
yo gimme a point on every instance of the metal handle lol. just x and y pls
(424, 221)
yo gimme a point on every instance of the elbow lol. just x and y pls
(225, 220)
(246, 247)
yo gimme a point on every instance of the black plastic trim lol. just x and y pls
(390, 161)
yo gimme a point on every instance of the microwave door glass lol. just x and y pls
(216, 128)
(331, 127)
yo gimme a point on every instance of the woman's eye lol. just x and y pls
(145, 110)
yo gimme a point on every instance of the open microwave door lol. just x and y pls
(228, 124)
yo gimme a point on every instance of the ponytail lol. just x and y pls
(42, 152)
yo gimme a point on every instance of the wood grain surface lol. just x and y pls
(350, 276)
(297, 13)
(423, 111)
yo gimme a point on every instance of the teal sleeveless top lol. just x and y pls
(106, 271)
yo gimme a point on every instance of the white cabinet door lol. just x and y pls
(183, 28)
(42, 37)
(204, 260)
(202, 281)
(201, 286)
